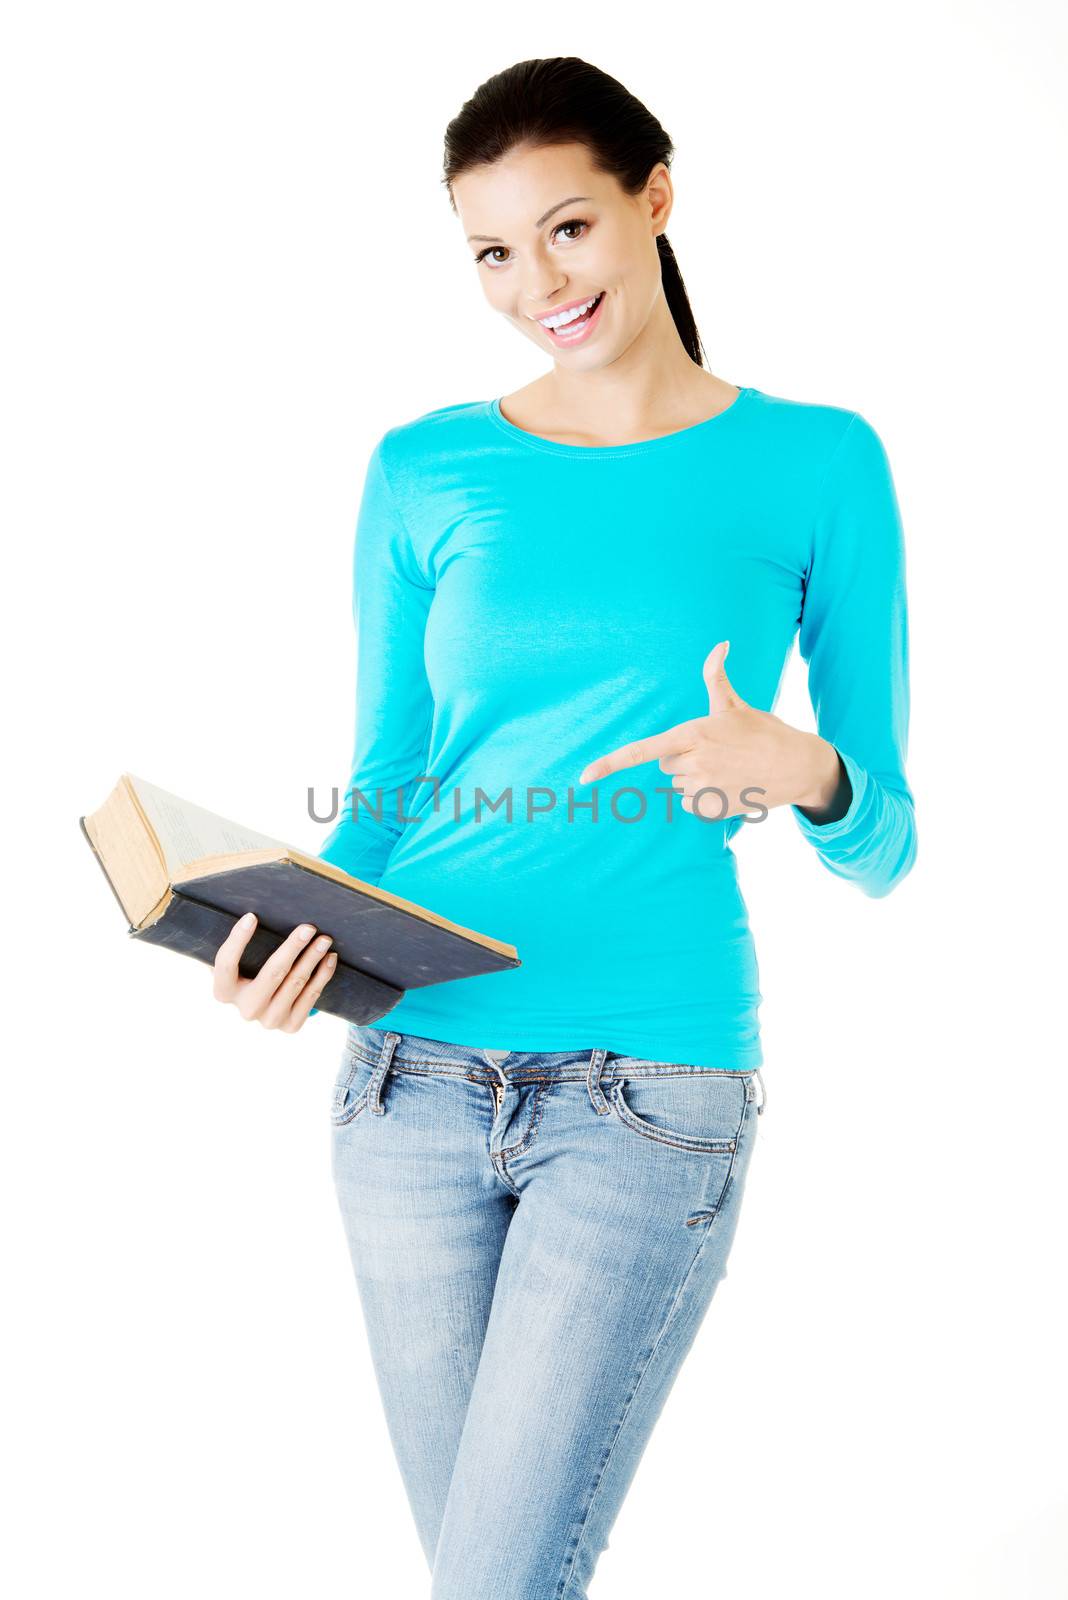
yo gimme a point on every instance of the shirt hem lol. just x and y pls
(731, 1057)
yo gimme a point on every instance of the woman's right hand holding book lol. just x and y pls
(287, 986)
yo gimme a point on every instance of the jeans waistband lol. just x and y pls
(406, 1052)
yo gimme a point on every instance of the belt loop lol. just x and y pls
(593, 1082)
(385, 1060)
(763, 1092)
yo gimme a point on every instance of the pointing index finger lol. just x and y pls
(671, 743)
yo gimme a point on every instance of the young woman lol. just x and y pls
(540, 1171)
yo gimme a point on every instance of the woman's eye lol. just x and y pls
(489, 250)
(576, 222)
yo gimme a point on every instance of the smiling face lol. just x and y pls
(563, 252)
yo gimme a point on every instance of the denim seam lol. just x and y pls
(540, 1098)
(663, 1069)
(679, 1141)
(725, 1191)
(360, 1104)
(406, 1063)
(569, 1567)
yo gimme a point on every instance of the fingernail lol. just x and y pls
(306, 931)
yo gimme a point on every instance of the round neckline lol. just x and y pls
(603, 452)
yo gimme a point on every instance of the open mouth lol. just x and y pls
(577, 327)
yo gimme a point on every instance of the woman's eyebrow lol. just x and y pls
(486, 238)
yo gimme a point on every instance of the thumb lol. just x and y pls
(721, 694)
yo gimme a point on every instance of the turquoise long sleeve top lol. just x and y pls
(524, 606)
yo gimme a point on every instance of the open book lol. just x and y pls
(183, 876)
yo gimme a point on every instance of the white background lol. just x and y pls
(230, 266)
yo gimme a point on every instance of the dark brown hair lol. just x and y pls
(564, 100)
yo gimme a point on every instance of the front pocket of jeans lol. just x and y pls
(699, 1112)
(350, 1090)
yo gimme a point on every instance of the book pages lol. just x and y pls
(187, 832)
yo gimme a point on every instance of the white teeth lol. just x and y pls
(567, 316)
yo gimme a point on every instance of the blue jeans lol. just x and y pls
(536, 1238)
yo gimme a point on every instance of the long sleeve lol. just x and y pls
(394, 706)
(854, 637)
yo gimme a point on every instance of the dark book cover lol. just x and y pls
(383, 949)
